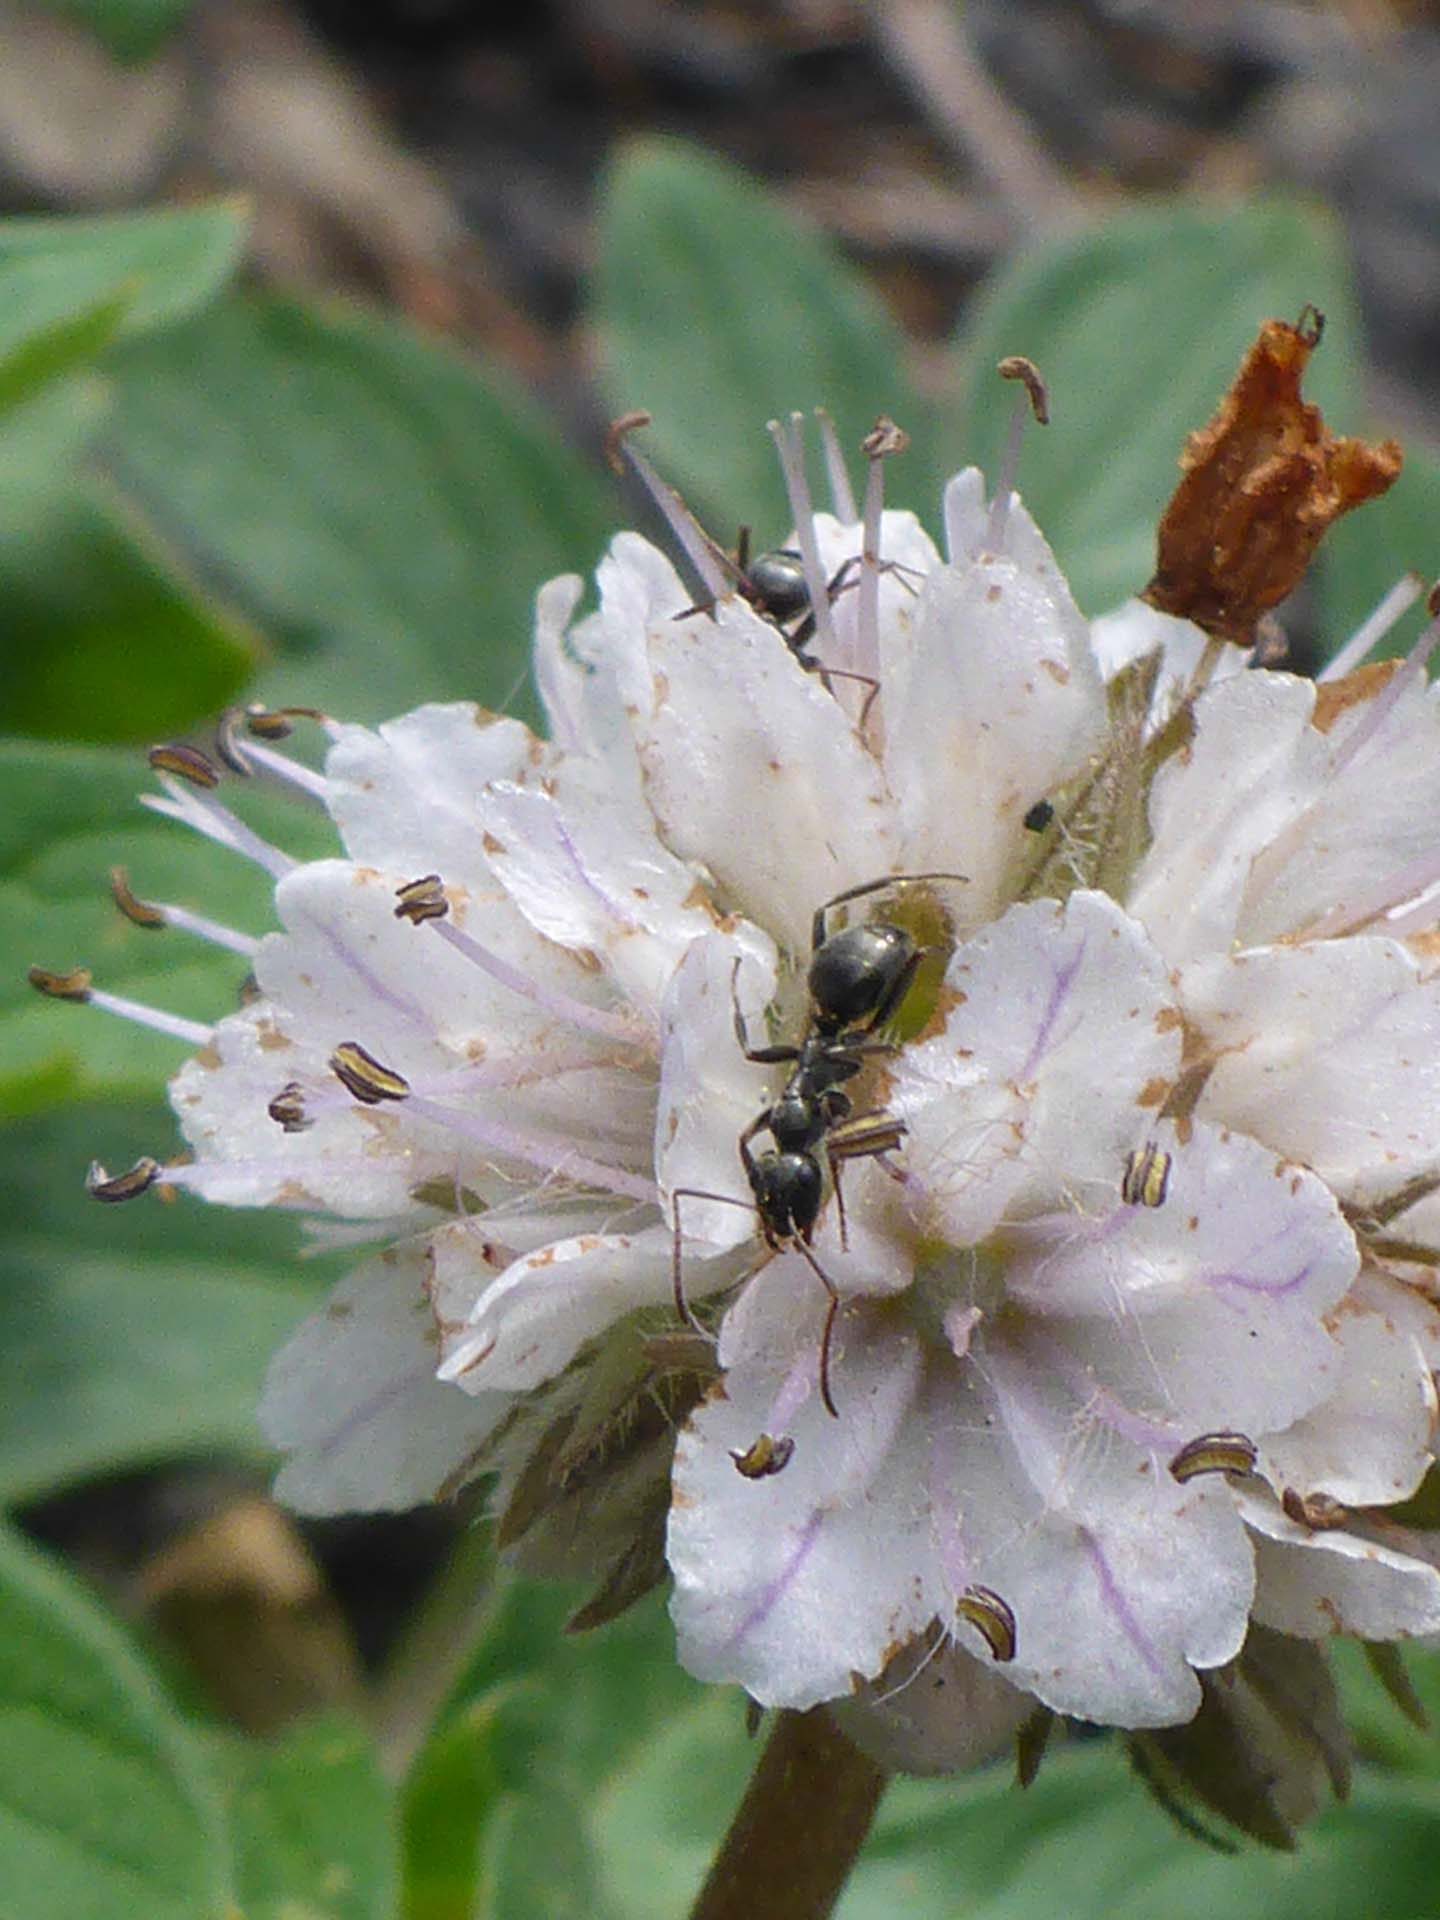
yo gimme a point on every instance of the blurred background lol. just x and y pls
(473, 235)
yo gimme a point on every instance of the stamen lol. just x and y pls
(186, 762)
(1404, 897)
(122, 1186)
(884, 440)
(366, 1077)
(763, 1457)
(74, 985)
(1146, 1179)
(790, 445)
(842, 496)
(992, 1618)
(1035, 404)
(157, 914)
(1213, 1453)
(274, 723)
(552, 1157)
(217, 823)
(421, 900)
(1373, 629)
(699, 548)
(287, 1109)
(244, 757)
(1416, 661)
(613, 1026)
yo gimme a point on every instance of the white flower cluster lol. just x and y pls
(1125, 1336)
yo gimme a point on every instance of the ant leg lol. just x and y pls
(827, 1336)
(763, 1056)
(682, 1305)
(893, 998)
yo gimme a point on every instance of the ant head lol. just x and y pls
(777, 587)
(788, 1189)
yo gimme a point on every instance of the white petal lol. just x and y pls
(529, 1324)
(934, 1712)
(1254, 766)
(404, 797)
(1130, 631)
(1061, 1040)
(1207, 1310)
(353, 1399)
(559, 675)
(1120, 1580)
(755, 770)
(908, 557)
(1372, 816)
(1317, 1584)
(1329, 1052)
(1369, 1442)
(709, 1091)
(990, 702)
(789, 1586)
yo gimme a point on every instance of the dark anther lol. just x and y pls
(1016, 367)
(364, 1076)
(123, 1186)
(74, 985)
(421, 900)
(139, 912)
(186, 762)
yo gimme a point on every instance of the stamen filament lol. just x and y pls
(694, 541)
(1373, 628)
(614, 1026)
(842, 494)
(217, 823)
(551, 1156)
(790, 445)
(173, 1024)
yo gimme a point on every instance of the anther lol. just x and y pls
(287, 1109)
(276, 723)
(763, 1457)
(186, 762)
(884, 439)
(1213, 1453)
(364, 1076)
(226, 746)
(615, 449)
(74, 985)
(1146, 1179)
(1319, 1512)
(1432, 601)
(422, 900)
(140, 912)
(1310, 325)
(1016, 367)
(249, 991)
(992, 1618)
(122, 1186)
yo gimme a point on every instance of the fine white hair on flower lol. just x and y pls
(1125, 1333)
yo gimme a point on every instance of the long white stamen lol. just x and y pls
(178, 1028)
(867, 624)
(551, 1155)
(842, 494)
(214, 931)
(217, 823)
(1400, 892)
(614, 1026)
(290, 773)
(1005, 494)
(1373, 629)
(693, 539)
(790, 444)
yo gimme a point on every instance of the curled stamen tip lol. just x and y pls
(422, 899)
(1016, 367)
(1432, 601)
(227, 748)
(287, 1109)
(365, 1076)
(138, 911)
(884, 439)
(1214, 1453)
(763, 1457)
(186, 762)
(122, 1186)
(616, 433)
(992, 1618)
(74, 985)
(1318, 1512)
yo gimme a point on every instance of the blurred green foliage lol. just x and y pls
(204, 492)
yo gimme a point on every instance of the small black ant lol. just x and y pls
(857, 980)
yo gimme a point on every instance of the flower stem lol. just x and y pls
(799, 1828)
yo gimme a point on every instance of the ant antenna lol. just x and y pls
(1035, 402)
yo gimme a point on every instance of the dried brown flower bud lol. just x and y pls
(1262, 483)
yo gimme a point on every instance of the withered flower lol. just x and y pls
(1262, 484)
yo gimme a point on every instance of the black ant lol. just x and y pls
(857, 980)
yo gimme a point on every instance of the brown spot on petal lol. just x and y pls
(1057, 670)
(1153, 1093)
(1338, 696)
(1168, 1018)
(1261, 484)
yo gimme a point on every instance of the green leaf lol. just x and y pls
(717, 311)
(110, 643)
(135, 1333)
(162, 266)
(1367, 552)
(34, 352)
(385, 509)
(133, 30)
(314, 1825)
(67, 816)
(1138, 327)
(450, 1796)
(107, 1811)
